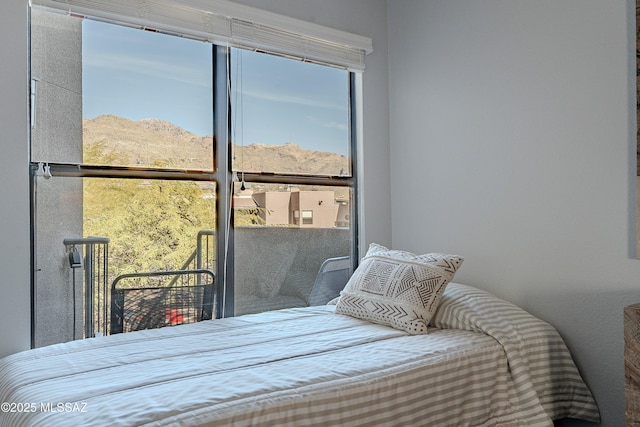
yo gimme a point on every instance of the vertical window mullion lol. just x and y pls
(353, 136)
(225, 267)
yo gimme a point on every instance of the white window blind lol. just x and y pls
(225, 22)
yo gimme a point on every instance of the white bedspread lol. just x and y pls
(305, 366)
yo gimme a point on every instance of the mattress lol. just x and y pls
(307, 367)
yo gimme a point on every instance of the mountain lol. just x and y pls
(288, 158)
(147, 142)
(154, 142)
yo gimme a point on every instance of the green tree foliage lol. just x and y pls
(249, 217)
(152, 224)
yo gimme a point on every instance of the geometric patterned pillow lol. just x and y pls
(397, 288)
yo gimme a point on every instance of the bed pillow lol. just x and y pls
(397, 288)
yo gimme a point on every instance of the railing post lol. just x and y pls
(199, 248)
(91, 281)
(88, 290)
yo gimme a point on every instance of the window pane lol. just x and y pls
(278, 254)
(150, 225)
(289, 116)
(113, 95)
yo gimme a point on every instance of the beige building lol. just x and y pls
(309, 209)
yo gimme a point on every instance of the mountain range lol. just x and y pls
(154, 142)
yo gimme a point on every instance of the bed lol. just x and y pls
(483, 361)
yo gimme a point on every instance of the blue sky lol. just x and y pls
(139, 74)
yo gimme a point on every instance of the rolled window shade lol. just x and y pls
(225, 22)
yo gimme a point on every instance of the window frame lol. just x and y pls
(222, 176)
(222, 143)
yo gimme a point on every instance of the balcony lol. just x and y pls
(274, 267)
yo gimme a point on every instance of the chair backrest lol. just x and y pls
(334, 273)
(150, 307)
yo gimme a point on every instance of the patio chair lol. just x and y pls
(333, 275)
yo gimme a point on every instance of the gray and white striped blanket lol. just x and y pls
(484, 362)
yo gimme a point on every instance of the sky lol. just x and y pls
(140, 74)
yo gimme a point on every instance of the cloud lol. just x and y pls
(336, 125)
(153, 68)
(341, 126)
(270, 96)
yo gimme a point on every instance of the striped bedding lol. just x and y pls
(484, 362)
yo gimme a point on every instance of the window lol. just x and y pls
(119, 115)
(149, 96)
(289, 117)
(291, 152)
(307, 217)
(130, 177)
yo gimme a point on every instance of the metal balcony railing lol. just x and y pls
(91, 255)
(203, 257)
(139, 300)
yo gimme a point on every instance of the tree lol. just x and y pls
(152, 224)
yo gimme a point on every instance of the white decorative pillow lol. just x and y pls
(397, 288)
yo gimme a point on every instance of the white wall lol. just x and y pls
(365, 17)
(15, 310)
(512, 130)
